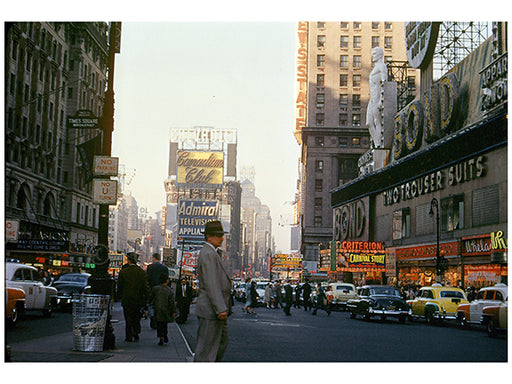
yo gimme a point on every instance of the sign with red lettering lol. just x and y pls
(105, 166)
(105, 191)
(11, 230)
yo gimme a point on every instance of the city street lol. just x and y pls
(270, 336)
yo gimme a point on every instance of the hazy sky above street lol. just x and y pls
(226, 75)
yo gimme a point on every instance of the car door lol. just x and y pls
(22, 278)
(484, 299)
(418, 305)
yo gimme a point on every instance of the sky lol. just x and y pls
(228, 75)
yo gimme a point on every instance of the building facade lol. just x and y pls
(53, 70)
(438, 210)
(334, 60)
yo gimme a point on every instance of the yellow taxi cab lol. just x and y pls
(437, 302)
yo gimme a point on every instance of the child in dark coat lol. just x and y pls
(162, 299)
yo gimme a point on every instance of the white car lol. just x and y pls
(471, 313)
(37, 295)
(339, 293)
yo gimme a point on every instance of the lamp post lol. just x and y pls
(434, 203)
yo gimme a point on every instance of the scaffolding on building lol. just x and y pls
(406, 87)
(455, 41)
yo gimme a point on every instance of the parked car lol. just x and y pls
(379, 300)
(69, 284)
(339, 294)
(471, 313)
(436, 302)
(37, 295)
(495, 318)
(14, 305)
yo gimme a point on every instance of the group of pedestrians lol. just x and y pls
(149, 294)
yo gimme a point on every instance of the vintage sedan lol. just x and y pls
(436, 302)
(471, 313)
(339, 294)
(495, 318)
(379, 300)
(37, 295)
(69, 284)
(14, 305)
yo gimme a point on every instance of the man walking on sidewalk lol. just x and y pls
(213, 303)
(133, 289)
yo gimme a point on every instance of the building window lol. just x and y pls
(356, 120)
(320, 41)
(357, 41)
(387, 60)
(388, 42)
(343, 142)
(452, 213)
(375, 41)
(343, 100)
(343, 25)
(343, 61)
(343, 80)
(356, 80)
(318, 203)
(320, 100)
(411, 84)
(319, 165)
(356, 100)
(344, 41)
(388, 25)
(343, 120)
(318, 221)
(320, 119)
(357, 61)
(357, 25)
(320, 79)
(356, 142)
(375, 25)
(320, 24)
(318, 185)
(320, 60)
(401, 224)
(319, 141)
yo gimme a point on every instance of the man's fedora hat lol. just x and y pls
(133, 257)
(214, 228)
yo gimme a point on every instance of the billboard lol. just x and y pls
(199, 168)
(193, 215)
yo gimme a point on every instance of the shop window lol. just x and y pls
(452, 213)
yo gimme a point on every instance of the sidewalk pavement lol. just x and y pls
(59, 348)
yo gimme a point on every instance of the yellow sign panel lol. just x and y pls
(196, 168)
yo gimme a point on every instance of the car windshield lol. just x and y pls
(73, 278)
(70, 289)
(455, 294)
(384, 291)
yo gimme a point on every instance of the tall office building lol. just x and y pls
(334, 60)
(53, 70)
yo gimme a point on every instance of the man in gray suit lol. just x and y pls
(213, 303)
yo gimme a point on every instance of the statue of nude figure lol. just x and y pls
(378, 76)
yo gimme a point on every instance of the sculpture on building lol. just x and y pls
(374, 112)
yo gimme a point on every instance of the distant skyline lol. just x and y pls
(227, 75)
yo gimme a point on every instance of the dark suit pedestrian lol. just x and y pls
(184, 297)
(306, 295)
(298, 290)
(213, 303)
(154, 270)
(321, 301)
(133, 290)
(288, 298)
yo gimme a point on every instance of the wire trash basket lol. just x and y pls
(90, 314)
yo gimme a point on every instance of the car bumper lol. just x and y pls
(389, 312)
(445, 316)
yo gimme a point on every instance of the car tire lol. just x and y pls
(429, 317)
(48, 311)
(352, 315)
(462, 321)
(13, 319)
(401, 319)
(367, 316)
(492, 328)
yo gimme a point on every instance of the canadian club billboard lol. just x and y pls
(199, 169)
